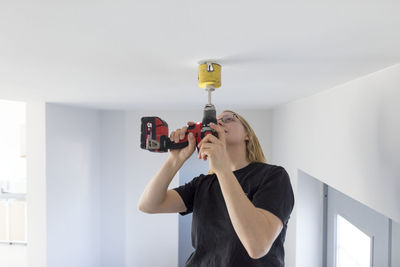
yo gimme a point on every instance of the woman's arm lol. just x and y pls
(256, 228)
(156, 190)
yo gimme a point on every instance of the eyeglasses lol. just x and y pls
(228, 118)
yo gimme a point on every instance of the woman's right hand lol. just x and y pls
(183, 154)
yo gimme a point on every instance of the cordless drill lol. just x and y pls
(154, 130)
(155, 137)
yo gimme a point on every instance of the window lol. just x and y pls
(353, 247)
(12, 221)
(12, 173)
(357, 236)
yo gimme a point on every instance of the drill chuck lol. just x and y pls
(209, 115)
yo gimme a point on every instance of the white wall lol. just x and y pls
(12, 165)
(113, 182)
(72, 186)
(36, 188)
(13, 255)
(310, 219)
(395, 244)
(347, 137)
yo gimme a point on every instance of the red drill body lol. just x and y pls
(155, 138)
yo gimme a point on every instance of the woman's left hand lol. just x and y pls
(215, 149)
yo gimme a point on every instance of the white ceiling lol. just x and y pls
(145, 54)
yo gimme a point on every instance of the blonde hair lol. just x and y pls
(254, 152)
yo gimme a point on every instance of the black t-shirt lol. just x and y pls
(214, 239)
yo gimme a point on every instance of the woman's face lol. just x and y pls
(235, 133)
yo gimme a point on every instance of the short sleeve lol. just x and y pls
(275, 194)
(187, 193)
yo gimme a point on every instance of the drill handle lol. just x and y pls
(172, 145)
(185, 142)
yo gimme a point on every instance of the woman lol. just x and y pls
(240, 208)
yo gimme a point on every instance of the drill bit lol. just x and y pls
(210, 89)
